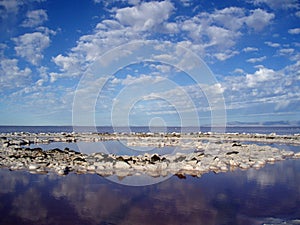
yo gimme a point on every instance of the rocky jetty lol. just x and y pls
(211, 152)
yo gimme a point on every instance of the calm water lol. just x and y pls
(102, 129)
(269, 195)
(238, 197)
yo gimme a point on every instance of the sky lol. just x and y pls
(149, 63)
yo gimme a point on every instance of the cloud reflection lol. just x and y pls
(238, 197)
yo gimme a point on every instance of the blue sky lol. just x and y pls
(172, 62)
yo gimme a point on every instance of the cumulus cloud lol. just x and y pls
(278, 4)
(145, 16)
(231, 18)
(250, 49)
(255, 60)
(294, 31)
(286, 51)
(31, 46)
(11, 76)
(226, 55)
(9, 6)
(259, 19)
(211, 35)
(272, 44)
(35, 18)
(143, 79)
(260, 76)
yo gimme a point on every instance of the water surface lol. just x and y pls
(238, 197)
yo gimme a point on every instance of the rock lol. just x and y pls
(236, 145)
(244, 166)
(154, 158)
(187, 167)
(224, 168)
(232, 153)
(162, 166)
(233, 163)
(297, 155)
(91, 168)
(122, 165)
(151, 167)
(271, 160)
(33, 166)
(285, 153)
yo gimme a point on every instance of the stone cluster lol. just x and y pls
(220, 154)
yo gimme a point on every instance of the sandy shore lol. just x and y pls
(212, 152)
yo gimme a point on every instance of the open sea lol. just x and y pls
(270, 195)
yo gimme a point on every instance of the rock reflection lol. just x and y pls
(238, 197)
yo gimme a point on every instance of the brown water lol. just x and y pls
(268, 195)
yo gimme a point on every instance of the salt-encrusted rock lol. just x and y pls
(187, 167)
(286, 153)
(33, 166)
(297, 155)
(233, 163)
(244, 166)
(91, 168)
(219, 152)
(162, 166)
(122, 165)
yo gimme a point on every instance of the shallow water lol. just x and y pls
(112, 147)
(238, 197)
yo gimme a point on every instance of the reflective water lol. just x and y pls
(112, 147)
(238, 197)
(107, 129)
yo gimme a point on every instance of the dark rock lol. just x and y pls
(78, 159)
(232, 153)
(155, 158)
(180, 176)
(180, 158)
(236, 144)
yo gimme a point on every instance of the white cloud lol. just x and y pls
(272, 44)
(9, 6)
(145, 16)
(210, 35)
(35, 18)
(286, 51)
(231, 18)
(12, 6)
(186, 3)
(11, 76)
(250, 49)
(259, 19)
(220, 30)
(255, 60)
(66, 63)
(162, 68)
(221, 37)
(133, 2)
(226, 55)
(278, 4)
(239, 71)
(31, 46)
(294, 31)
(260, 76)
(143, 79)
